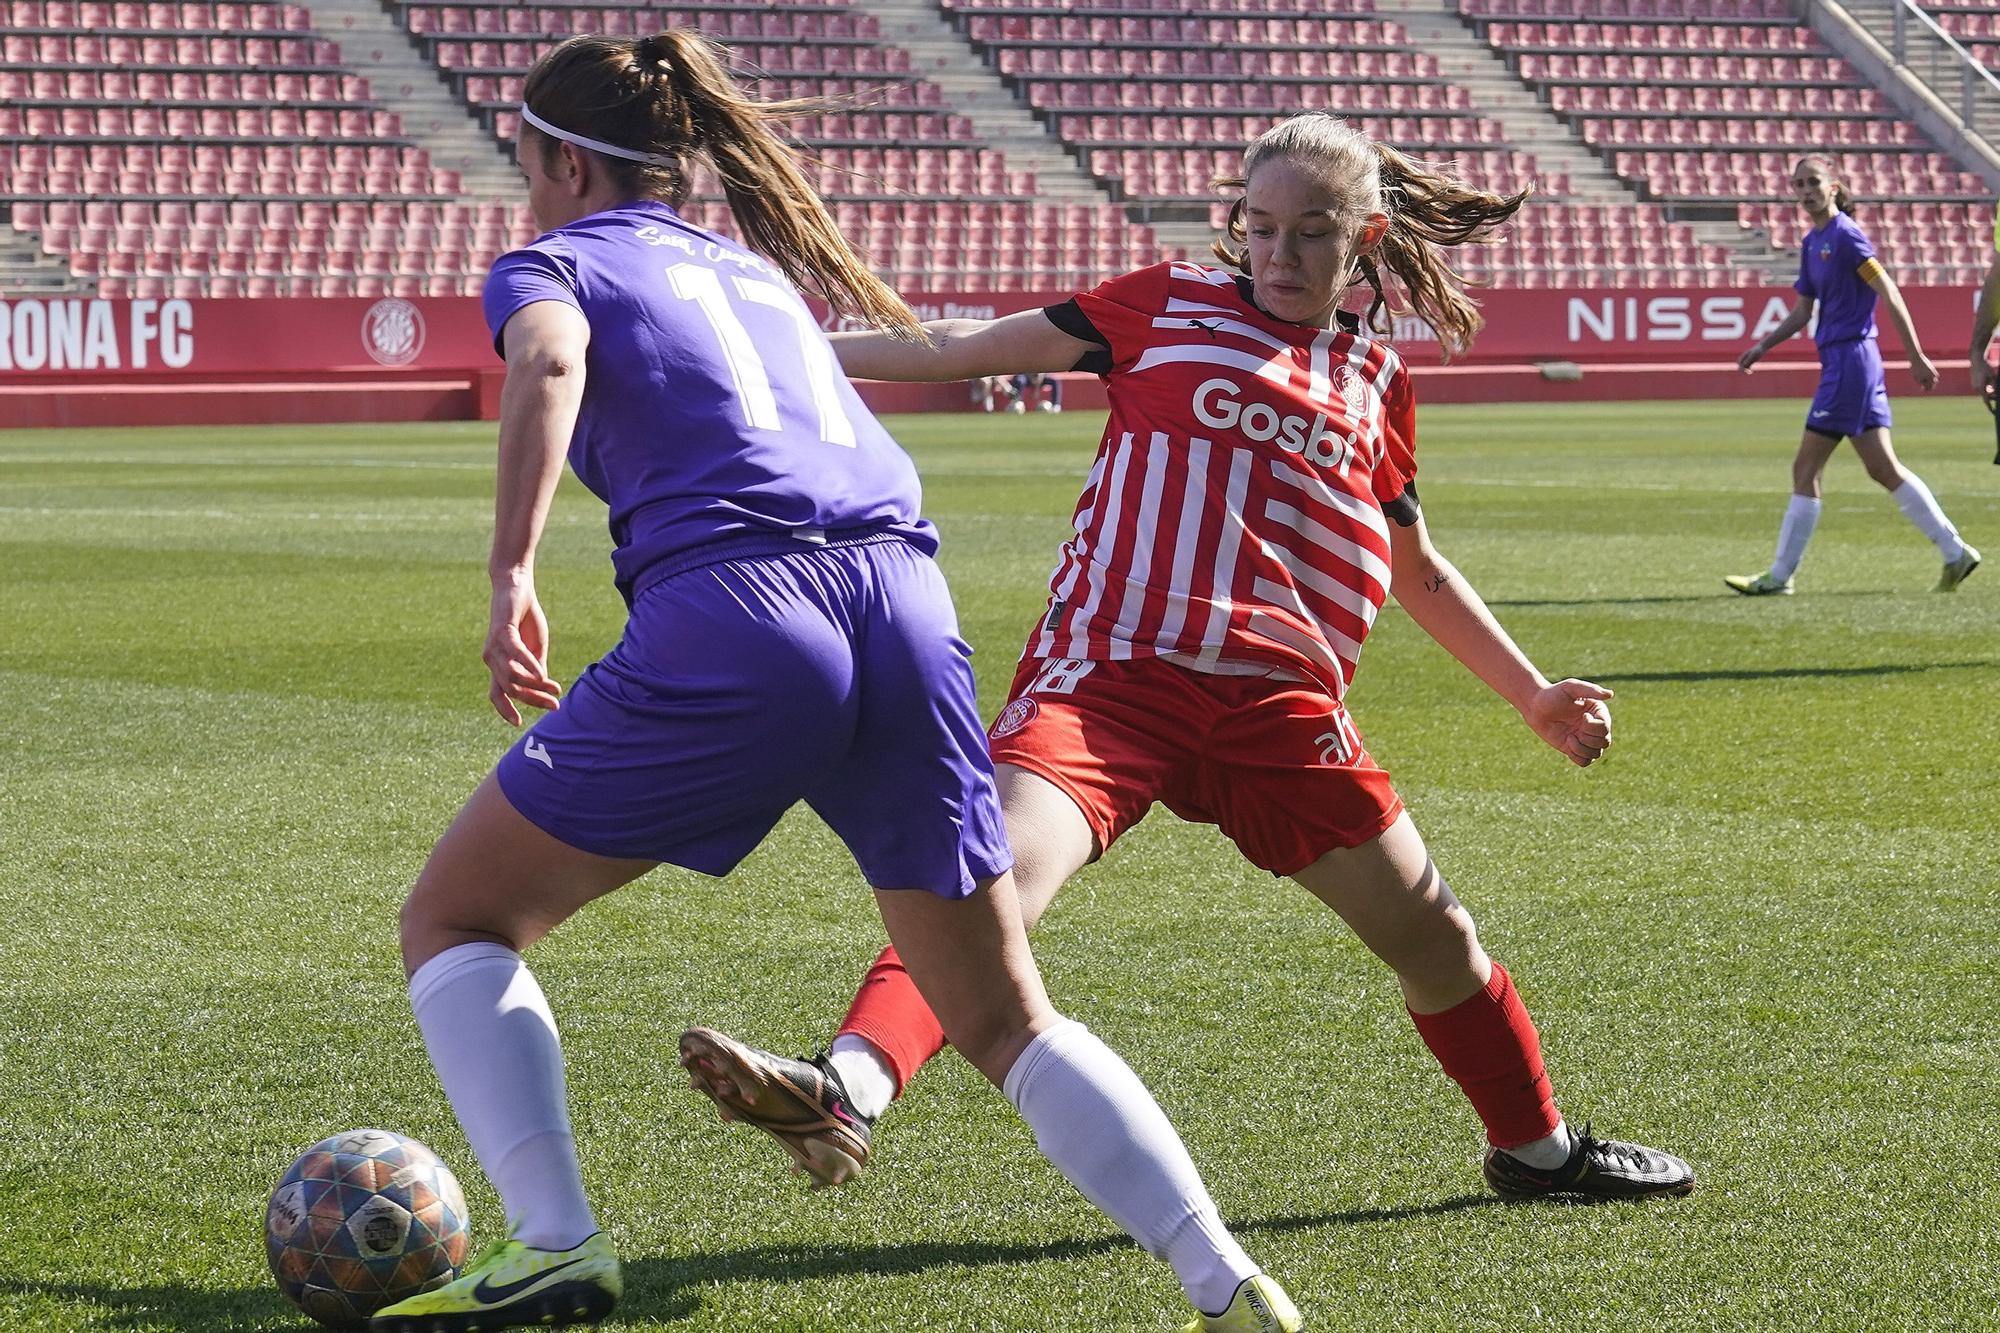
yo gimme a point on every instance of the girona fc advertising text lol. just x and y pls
(1218, 403)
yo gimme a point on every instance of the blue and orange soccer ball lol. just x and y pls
(361, 1221)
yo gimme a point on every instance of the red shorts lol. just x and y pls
(1276, 765)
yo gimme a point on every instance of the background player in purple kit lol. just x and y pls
(1985, 319)
(789, 638)
(1839, 273)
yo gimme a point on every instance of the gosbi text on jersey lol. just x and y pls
(1233, 518)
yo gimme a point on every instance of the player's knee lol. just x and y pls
(1439, 945)
(432, 920)
(420, 921)
(415, 930)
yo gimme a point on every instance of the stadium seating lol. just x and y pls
(908, 179)
(997, 245)
(1114, 81)
(125, 126)
(1709, 102)
(1576, 244)
(1157, 104)
(1941, 243)
(223, 148)
(1974, 23)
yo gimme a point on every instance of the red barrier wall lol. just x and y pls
(89, 361)
(72, 361)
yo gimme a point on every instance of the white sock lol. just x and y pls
(1096, 1122)
(494, 1044)
(1921, 508)
(864, 1072)
(1801, 517)
(1548, 1152)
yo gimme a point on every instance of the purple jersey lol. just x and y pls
(712, 405)
(1830, 261)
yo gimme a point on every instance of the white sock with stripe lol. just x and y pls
(494, 1044)
(1801, 517)
(1921, 508)
(1096, 1122)
(864, 1073)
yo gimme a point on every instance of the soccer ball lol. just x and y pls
(361, 1221)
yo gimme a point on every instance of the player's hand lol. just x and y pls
(1982, 381)
(1751, 356)
(1574, 716)
(517, 653)
(1923, 371)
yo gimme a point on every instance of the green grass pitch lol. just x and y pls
(243, 695)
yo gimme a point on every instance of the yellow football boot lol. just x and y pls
(1259, 1306)
(512, 1285)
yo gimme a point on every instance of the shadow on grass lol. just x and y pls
(776, 1263)
(188, 1309)
(1724, 596)
(1794, 673)
(660, 1288)
(666, 1288)
(1599, 601)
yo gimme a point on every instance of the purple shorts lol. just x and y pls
(1853, 392)
(831, 675)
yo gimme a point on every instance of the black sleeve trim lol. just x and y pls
(1404, 508)
(1070, 319)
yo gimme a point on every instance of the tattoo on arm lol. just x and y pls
(1436, 581)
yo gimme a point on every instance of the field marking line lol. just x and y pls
(482, 516)
(249, 463)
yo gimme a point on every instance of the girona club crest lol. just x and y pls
(1352, 391)
(1013, 717)
(393, 331)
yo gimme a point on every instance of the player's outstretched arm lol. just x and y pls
(961, 349)
(1801, 315)
(1571, 715)
(545, 344)
(1892, 296)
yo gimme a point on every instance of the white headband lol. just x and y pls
(598, 145)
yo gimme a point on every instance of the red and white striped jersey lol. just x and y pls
(1233, 518)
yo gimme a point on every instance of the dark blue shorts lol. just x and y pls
(834, 676)
(1853, 392)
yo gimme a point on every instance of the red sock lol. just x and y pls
(891, 1016)
(1489, 1047)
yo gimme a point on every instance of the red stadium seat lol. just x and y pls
(130, 98)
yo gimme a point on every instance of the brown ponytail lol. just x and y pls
(1428, 208)
(671, 95)
(1431, 210)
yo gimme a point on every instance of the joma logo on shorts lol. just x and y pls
(1217, 403)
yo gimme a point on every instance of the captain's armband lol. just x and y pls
(1404, 509)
